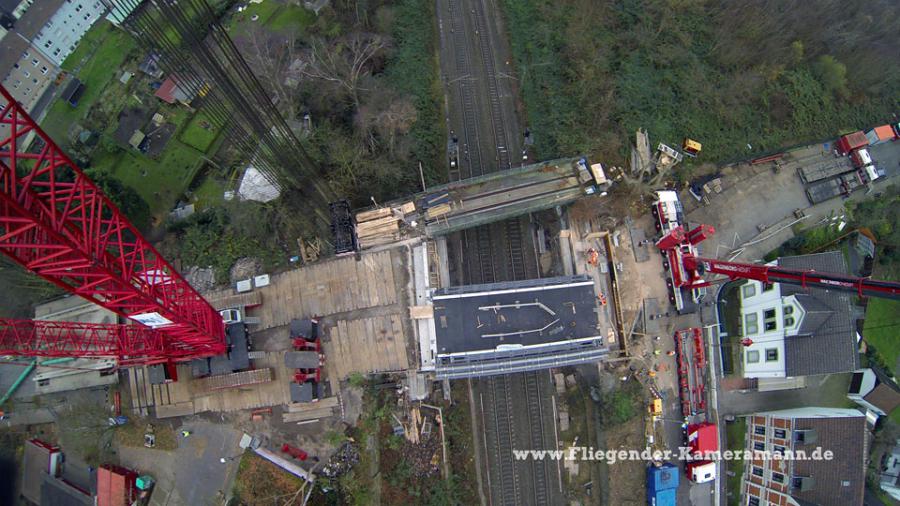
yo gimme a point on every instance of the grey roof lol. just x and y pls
(8, 6)
(11, 48)
(35, 464)
(57, 492)
(526, 313)
(826, 342)
(36, 17)
(841, 480)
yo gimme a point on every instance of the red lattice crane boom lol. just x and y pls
(56, 223)
(688, 269)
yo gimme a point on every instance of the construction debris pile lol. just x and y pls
(342, 461)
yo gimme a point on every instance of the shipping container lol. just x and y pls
(849, 142)
(662, 485)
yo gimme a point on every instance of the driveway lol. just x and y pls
(192, 474)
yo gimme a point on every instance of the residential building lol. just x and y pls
(62, 32)
(837, 481)
(874, 390)
(31, 75)
(890, 473)
(797, 331)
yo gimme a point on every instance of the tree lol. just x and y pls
(832, 74)
(343, 62)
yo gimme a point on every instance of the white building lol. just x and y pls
(890, 473)
(797, 331)
(62, 32)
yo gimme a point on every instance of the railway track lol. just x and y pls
(501, 142)
(516, 249)
(471, 154)
(536, 421)
(501, 406)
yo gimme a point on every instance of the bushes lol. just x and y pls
(594, 71)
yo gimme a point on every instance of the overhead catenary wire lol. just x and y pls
(195, 50)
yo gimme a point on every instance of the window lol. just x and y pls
(757, 471)
(788, 322)
(771, 317)
(34, 81)
(26, 73)
(771, 354)
(35, 62)
(751, 324)
(759, 430)
(797, 482)
(749, 290)
(15, 65)
(758, 446)
(44, 70)
(752, 501)
(752, 357)
(778, 477)
(778, 449)
(768, 286)
(788, 310)
(780, 433)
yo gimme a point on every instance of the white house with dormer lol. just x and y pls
(797, 331)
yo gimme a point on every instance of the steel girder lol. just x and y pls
(55, 222)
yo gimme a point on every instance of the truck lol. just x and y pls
(861, 158)
(662, 485)
(847, 143)
(703, 441)
(880, 134)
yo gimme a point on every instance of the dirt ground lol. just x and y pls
(627, 478)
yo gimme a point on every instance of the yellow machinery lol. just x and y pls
(691, 147)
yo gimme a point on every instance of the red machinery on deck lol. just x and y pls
(691, 359)
(688, 270)
(56, 223)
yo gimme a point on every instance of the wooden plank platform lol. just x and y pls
(365, 345)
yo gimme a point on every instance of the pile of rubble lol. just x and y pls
(342, 461)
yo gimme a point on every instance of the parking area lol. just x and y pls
(755, 211)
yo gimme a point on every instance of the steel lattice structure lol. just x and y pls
(56, 223)
(74, 339)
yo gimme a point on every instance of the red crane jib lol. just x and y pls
(56, 223)
(692, 268)
(75, 339)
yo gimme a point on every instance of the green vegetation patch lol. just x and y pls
(735, 432)
(199, 133)
(259, 481)
(880, 331)
(742, 80)
(413, 70)
(106, 49)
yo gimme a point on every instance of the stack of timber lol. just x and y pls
(381, 226)
(300, 412)
(235, 380)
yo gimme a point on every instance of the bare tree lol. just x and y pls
(271, 55)
(344, 62)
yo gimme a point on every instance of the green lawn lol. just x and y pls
(273, 15)
(734, 434)
(199, 132)
(165, 179)
(209, 193)
(109, 48)
(882, 319)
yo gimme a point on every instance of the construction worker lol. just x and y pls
(185, 433)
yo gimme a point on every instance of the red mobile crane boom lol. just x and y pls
(56, 223)
(688, 269)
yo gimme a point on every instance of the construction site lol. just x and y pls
(514, 307)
